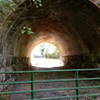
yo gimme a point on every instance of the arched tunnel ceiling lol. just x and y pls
(96, 2)
(82, 19)
(51, 31)
(7, 6)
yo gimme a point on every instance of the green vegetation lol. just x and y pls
(38, 3)
(54, 55)
(46, 54)
(7, 6)
(26, 30)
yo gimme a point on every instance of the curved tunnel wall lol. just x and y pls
(55, 33)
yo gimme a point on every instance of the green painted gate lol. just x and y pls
(76, 79)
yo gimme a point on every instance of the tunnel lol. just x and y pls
(73, 27)
(70, 27)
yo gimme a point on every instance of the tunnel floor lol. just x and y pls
(60, 75)
(47, 63)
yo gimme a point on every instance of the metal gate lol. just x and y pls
(76, 79)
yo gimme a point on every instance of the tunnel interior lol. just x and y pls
(73, 28)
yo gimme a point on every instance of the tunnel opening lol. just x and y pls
(46, 55)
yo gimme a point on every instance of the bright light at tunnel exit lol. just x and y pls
(46, 55)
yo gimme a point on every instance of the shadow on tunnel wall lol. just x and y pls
(16, 63)
(80, 61)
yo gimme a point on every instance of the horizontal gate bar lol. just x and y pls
(47, 81)
(65, 80)
(15, 92)
(71, 88)
(46, 71)
(48, 90)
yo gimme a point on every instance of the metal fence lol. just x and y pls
(76, 79)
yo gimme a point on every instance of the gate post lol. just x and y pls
(32, 85)
(77, 84)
